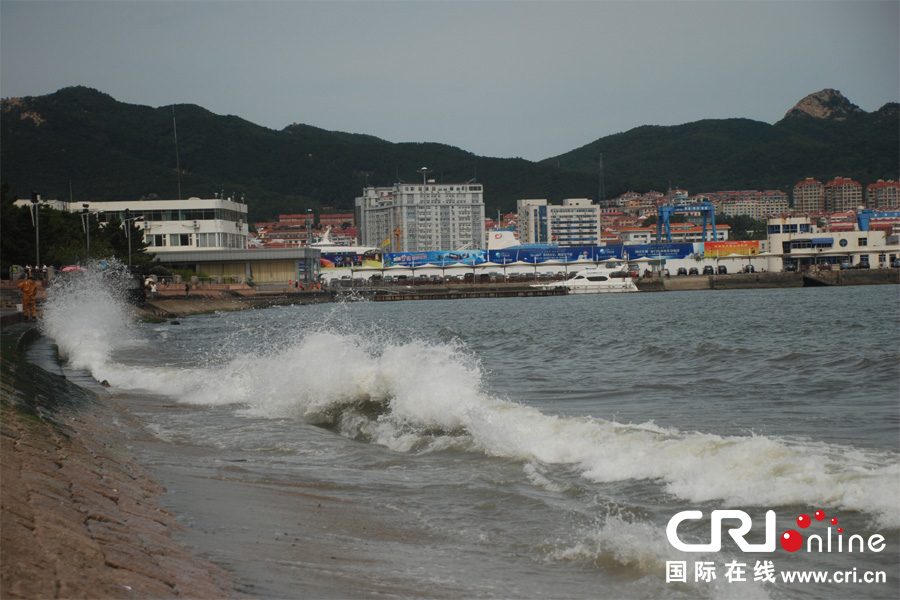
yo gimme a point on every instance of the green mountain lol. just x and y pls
(83, 144)
(823, 136)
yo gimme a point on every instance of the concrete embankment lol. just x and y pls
(78, 514)
(173, 302)
(743, 281)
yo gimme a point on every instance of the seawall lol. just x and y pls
(78, 515)
(743, 281)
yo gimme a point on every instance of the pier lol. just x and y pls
(499, 291)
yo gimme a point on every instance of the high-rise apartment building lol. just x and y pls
(883, 195)
(751, 203)
(575, 223)
(809, 196)
(426, 217)
(842, 195)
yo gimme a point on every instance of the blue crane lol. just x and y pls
(705, 208)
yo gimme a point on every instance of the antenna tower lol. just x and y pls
(177, 162)
(601, 196)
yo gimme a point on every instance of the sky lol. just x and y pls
(495, 78)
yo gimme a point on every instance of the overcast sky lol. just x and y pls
(506, 79)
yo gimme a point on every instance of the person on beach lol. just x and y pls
(153, 290)
(187, 289)
(29, 293)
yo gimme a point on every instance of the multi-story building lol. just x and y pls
(883, 195)
(681, 233)
(170, 225)
(750, 203)
(208, 236)
(574, 223)
(427, 217)
(842, 194)
(809, 196)
(797, 241)
(336, 220)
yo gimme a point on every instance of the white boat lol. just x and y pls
(600, 280)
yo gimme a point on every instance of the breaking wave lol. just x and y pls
(415, 395)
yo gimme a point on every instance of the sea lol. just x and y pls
(557, 447)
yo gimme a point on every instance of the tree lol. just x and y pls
(63, 239)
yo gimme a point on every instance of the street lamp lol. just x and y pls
(424, 171)
(86, 223)
(128, 220)
(35, 218)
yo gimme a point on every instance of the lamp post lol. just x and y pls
(128, 220)
(86, 223)
(35, 217)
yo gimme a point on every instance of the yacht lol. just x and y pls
(610, 278)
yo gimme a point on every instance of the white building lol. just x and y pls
(179, 225)
(575, 223)
(425, 217)
(797, 241)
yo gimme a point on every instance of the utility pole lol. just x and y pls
(35, 217)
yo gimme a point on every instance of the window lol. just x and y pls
(863, 241)
(179, 239)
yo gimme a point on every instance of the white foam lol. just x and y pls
(87, 318)
(640, 547)
(413, 394)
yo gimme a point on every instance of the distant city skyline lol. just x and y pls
(503, 79)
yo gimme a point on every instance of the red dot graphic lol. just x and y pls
(804, 521)
(820, 514)
(791, 540)
(840, 530)
(834, 521)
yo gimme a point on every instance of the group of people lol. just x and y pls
(150, 287)
(298, 285)
(35, 271)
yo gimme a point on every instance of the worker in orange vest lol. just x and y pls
(29, 293)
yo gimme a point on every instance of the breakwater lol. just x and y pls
(80, 517)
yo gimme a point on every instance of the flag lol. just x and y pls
(386, 242)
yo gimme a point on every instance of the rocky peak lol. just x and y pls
(827, 104)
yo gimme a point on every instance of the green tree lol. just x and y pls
(63, 239)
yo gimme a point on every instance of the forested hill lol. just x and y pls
(83, 144)
(823, 136)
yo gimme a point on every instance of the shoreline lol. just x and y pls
(80, 516)
(173, 303)
(201, 301)
(94, 506)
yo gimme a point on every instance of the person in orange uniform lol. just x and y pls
(29, 292)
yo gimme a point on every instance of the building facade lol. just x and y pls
(842, 194)
(175, 225)
(427, 217)
(574, 223)
(680, 232)
(809, 196)
(883, 195)
(797, 241)
(750, 203)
